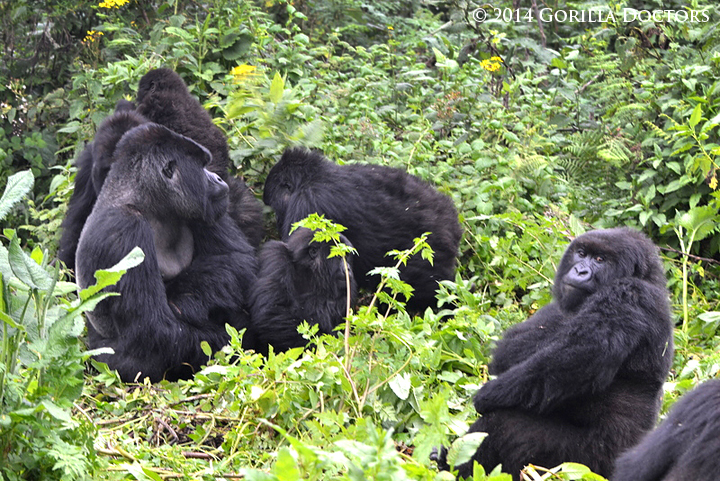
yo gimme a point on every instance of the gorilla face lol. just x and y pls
(588, 270)
(171, 167)
(598, 257)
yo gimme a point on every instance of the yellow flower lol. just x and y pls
(390, 27)
(492, 64)
(241, 72)
(713, 182)
(92, 36)
(112, 3)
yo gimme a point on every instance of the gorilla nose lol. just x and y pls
(214, 178)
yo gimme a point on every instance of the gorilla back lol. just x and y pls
(685, 447)
(581, 380)
(383, 209)
(198, 266)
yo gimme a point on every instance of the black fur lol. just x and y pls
(685, 447)
(383, 209)
(198, 266)
(297, 282)
(92, 168)
(581, 380)
(164, 98)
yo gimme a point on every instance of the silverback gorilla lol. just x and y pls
(685, 447)
(198, 266)
(297, 281)
(581, 380)
(162, 98)
(383, 209)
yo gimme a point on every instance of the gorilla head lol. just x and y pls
(158, 81)
(596, 258)
(171, 169)
(164, 98)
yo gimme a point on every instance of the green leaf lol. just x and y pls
(109, 277)
(286, 466)
(696, 116)
(57, 412)
(701, 221)
(401, 385)
(464, 447)
(277, 88)
(26, 269)
(17, 187)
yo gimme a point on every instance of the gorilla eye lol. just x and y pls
(312, 252)
(169, 169)
(581, 253)
(599, 259)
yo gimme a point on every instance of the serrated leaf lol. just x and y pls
(26, 269)
(701, 221)
(17, 187)
(464, 447)
(277, 87)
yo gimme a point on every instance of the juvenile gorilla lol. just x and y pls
(198, 267)
(297, 282)
(92, 168)
(685, 447)
(581, 380)
(383, 209)
(164, 98)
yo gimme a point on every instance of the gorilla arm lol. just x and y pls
(214, 287)
(526, 338)
(587, 354)
(139, 325)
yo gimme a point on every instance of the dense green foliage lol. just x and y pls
(537, 134)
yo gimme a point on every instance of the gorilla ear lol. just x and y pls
(169, 169)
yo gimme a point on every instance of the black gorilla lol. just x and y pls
(198, 266)
(164, 98)
(93, 165)
(581, 380)
(383, 209)
(297, 282)
(685, 447)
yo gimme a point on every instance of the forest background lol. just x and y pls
(538, 131)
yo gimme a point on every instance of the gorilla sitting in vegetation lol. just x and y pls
(685, 447)
(198, 266)
(164, 98)
(383, 209)
(581, 380)
(298, 282)
(92, 168)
